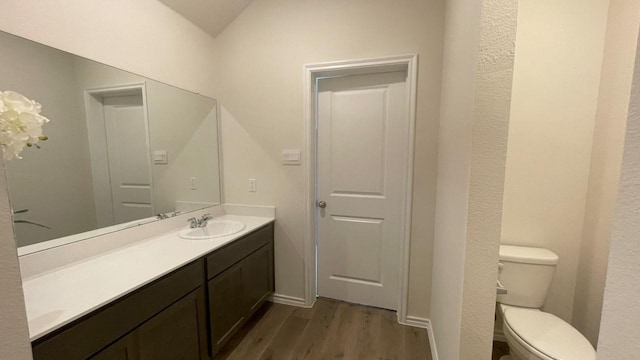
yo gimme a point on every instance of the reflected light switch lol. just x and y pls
(160, 157)
(291, 157)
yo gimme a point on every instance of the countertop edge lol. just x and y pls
(46, 330)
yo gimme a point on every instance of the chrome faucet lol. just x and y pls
(199, 223)
(205, 219)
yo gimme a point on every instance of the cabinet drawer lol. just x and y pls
(88, 335)
(228, 255)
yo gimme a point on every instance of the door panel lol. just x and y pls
(360, 112)
(358, 236)
(363, 131)
(128, 150)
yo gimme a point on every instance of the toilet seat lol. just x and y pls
(546, 335)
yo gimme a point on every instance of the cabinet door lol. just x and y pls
(85, 337)
(257, 276)
(227, 307)
(177, 333)
(123, 349)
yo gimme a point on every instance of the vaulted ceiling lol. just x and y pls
(212, 16)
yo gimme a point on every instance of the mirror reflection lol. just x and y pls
(120, 148)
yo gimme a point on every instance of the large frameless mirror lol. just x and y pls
(118, 150)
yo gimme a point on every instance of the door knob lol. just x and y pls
(322, 204)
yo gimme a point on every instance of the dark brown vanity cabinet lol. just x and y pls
(128, 327)
(178, 332)
(240, 278)
(123, 349)
(185, 315)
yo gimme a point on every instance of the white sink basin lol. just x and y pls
(214, 229)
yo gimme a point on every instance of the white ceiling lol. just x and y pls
(210, 15)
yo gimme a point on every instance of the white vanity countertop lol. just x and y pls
(58, 297)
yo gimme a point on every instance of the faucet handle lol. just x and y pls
(206, 217)
(193, 222)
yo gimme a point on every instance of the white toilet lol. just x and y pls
(532, 334)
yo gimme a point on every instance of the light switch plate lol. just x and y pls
(253, 185)
(291, 157)
(160, 157)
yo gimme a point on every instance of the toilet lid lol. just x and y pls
(548, 334)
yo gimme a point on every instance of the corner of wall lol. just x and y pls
(14, 333)
(606, 158)
(619, 331)
(488, 163)
(462, 24)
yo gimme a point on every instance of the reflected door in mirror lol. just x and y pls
(128, 149)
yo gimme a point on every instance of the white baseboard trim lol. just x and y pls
(425, 324)
(432, 342)
(288, 300)
(415, 321)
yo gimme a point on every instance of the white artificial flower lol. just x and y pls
(3, 108)
(20, 123)
(20, 103)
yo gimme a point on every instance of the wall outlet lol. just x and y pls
(253, 185)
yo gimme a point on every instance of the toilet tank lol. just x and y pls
(526, 273)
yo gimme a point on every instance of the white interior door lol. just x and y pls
(128, 150)
(363, 131)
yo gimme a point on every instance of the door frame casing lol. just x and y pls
(97, 141)
(311, 72)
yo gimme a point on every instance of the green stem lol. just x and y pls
(30, 223)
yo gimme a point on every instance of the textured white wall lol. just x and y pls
(260, 58)
(606, 157)
(491, 121)
(142, 36)
(14, 333)
(619, 330)
(478, 68)
(559, 49)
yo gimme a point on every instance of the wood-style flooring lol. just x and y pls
(330, 330)
(499, 350)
